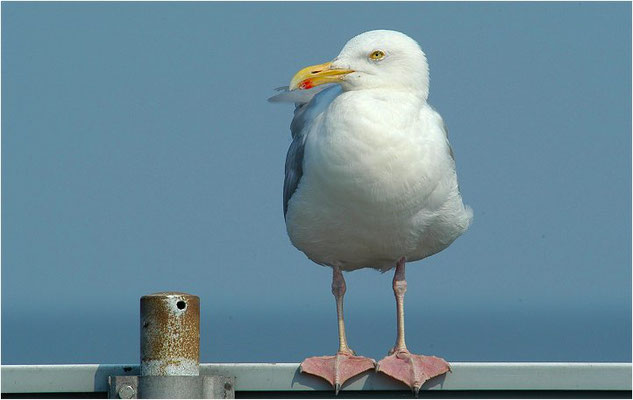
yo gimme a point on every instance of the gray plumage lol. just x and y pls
(308, 105)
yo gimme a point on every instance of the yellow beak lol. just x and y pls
(316, 75)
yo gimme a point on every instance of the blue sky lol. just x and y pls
(139, 155)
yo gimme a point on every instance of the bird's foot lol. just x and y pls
(338, 368)
(411, 369)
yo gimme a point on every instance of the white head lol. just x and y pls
(372, 60)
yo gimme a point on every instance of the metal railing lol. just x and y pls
(285, 377)
(169, 368)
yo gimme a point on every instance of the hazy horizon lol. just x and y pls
(139, 154)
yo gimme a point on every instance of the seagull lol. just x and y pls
(370, 182)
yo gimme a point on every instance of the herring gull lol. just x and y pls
(370, 183)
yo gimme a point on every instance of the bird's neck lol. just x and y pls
(395, 93)
(374, 108)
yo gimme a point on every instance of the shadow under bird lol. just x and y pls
(370, 183)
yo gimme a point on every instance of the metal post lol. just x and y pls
(170, 354)
(170, 334)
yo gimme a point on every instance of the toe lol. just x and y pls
(322, 367)
(337, 369)
(412, 370)
(350, 366)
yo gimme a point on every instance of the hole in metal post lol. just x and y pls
(181, 305)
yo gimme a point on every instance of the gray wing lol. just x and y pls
(305, 113)
(450, 148)
(445, 129)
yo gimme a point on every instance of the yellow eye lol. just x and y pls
(377, 55)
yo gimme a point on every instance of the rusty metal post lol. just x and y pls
(170, 354)
(170, 334)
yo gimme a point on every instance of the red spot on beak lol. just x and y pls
(307, 84)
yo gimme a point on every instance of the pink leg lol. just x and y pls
(411, 369)
(344, 365)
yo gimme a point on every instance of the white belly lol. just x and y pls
(367, 199)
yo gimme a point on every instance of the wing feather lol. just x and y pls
(307, 109)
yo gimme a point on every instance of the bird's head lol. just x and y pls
(374, 59)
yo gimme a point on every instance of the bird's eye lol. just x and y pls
(377, 55)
